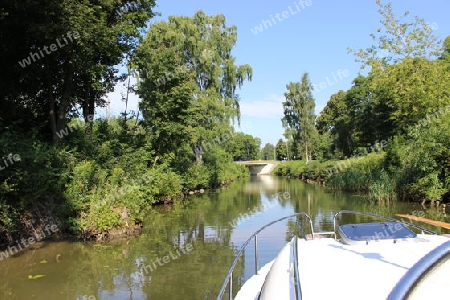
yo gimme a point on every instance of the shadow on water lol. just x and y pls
(158, 263)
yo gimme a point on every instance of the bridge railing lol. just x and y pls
(258, 161)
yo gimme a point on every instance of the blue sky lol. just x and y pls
(311, 37)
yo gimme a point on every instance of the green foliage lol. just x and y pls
(189, 80)
(268, 152)
(292, 168)
(299, 118)
(364, 174)
(37, 177)
(102, 174)
(281, 150)
(404, 99)
(222, 168)
(196, 177)
(420, 160)
(409, 91)
(80, 73)
(314, 170)
(243, 147)
(382, 188)
(395, 40)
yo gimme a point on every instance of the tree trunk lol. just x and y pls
(88, 107)
(197, 149)
(306, 153)
(52, 116)
(52, 108)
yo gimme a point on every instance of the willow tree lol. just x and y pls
(299, 118)
(188, 80)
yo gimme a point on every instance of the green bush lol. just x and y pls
(292, 168)
(110, 168)
(222, 168)
(196, 177)
(420, 161)
(37, 177)
(356, 174)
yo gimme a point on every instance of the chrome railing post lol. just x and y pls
(231, 286)
(256, 254)
(334, 224)
(297, 286)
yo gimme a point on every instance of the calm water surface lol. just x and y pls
(187, 248)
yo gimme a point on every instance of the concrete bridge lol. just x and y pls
(259, 167)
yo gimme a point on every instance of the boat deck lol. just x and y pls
(359, 271)
(332, 270)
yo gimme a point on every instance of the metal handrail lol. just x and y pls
(229, 278)
(417, 272)
(297, 286)
(423, 229)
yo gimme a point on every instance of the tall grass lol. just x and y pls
(363, 174)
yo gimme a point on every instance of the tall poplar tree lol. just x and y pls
(299, 118)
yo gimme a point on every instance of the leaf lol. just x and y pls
(43, 261)
(35, 276)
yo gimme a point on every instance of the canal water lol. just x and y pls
(185, 250)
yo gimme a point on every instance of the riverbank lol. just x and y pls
(372, 175)
(34, 226)
(98, 184)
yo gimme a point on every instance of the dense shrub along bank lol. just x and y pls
(359, 174)
(414, 167)
(95, 182)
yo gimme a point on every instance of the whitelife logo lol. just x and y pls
(265, 24)
(11, 250)
(40, 53)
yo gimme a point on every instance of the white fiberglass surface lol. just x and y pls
(435, 284)
(331, 270)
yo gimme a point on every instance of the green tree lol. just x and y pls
(406, 92)
(47, 87)
(268, 152)
(243, 147)
(281, 150)
(446, 50)
(420, 160)
(299, 116)
(397, 40)
(336, 119)
(188, 80)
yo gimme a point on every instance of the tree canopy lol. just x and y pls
(188, 80)
(87, 41)
(299, 118)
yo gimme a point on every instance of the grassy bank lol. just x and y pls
(98, 181)
(359, 174)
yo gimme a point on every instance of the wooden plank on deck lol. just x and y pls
(425, 220)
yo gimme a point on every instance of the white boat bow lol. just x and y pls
(379, 260)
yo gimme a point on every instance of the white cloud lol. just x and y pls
(271, 107)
